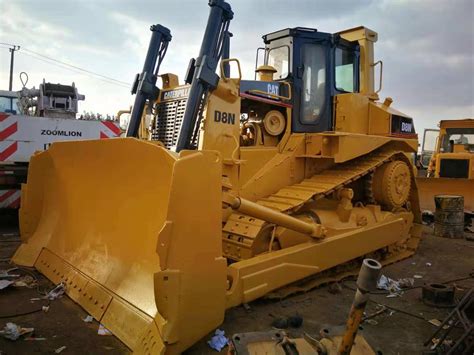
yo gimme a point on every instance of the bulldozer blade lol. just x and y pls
(134, 233)
(428, 188)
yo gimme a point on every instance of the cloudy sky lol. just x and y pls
(427, 46)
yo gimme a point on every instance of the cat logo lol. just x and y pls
(175, 94)
(273, 89)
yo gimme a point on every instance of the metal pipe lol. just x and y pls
(366, 282)
(145, 83)
(281, 219)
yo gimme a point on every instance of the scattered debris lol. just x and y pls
(88, 319)
(218, 341)
(247, 307)
(394, 287)
(58, 350)
(428, 264)
(45, 309)
(5, 284)
(376, 313)
(371, 321)
(13, 331)
(34, 339)
(103, 330)
(418, 276)
(437, 323)
(26, 281)
(386, 283)
(56, 292)
(407, 282)
(35, 299)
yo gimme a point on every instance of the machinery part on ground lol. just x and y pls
(438, 295)
(460, 317)
(449, 216)
(144, 85)
(366, 283)
(277, 342)
(271, 342)
(391, 184)
(217, 220)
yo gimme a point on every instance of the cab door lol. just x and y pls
(312, 103)
(324, 67)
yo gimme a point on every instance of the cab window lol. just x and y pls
(314, 83)
(345, 69)
(279, 58)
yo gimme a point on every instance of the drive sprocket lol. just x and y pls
(391, 184)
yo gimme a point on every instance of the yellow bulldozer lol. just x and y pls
(448, 156)
(245, 187)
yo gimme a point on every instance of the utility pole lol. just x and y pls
(12, 59)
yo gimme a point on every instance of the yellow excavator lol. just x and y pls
(245, 187)
(448, 155)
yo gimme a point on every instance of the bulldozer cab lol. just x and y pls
(318, 66)
(453, 149)
(457, 140)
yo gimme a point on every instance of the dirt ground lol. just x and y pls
(401, 331)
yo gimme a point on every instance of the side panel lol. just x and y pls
(352, 113)
(22, 136)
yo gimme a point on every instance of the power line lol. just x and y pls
(102, 78)
(75, 67)
(71, 67)
(74, 70)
